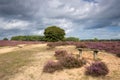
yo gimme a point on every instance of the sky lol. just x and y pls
(85, 19)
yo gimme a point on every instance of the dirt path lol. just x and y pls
(7, 49)
(34, 70)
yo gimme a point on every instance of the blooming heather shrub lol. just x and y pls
(60, 43)
(97, 69)
(81, 45)
(52, 66)
(70, 61)
(111, 47)
(54, 44)
(51, 45)
(60, 53)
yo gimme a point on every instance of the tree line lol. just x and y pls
(39, 38)
(28, 38)
(51, 34)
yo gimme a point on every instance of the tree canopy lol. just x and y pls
(54, 33)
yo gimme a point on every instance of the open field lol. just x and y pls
(26, 63)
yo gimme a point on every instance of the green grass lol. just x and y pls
(12, 61)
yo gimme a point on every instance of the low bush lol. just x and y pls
(81, 45)
(97, 69)
(54, 44)
(60, 53)
(60, 43)
(70, 61)
(52, 66)
(51, 45)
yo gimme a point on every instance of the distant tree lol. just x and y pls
(95, 39)
(54, 33)
(18, 38)
(28, 38)
(72, 39)
(5, 38)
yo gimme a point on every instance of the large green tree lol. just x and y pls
(54, 33)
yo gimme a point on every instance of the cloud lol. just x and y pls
(13, 24)
(79, 18)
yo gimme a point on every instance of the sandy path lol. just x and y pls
(18, 47)
(7, 49)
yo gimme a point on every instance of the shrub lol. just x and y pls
(70, 61)
(97, 69)
(52, 66)
(51, 45)
(60, 53)
(60, 43)
(5, 38)
(54, 44)
(81, 45)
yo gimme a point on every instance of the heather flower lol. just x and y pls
(70, 61)
(60, 53)
(97, 69)
(52, 66)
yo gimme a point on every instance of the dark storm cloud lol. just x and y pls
(20, 9)
(12, 8)
(108, 13)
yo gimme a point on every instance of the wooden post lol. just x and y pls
(95, 52)
(80, 52)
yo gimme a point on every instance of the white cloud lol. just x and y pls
(38, 32)
(54, 3)
(63, 23)
(13, 24)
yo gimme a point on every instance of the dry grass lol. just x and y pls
(11, 61)
(40, 54)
